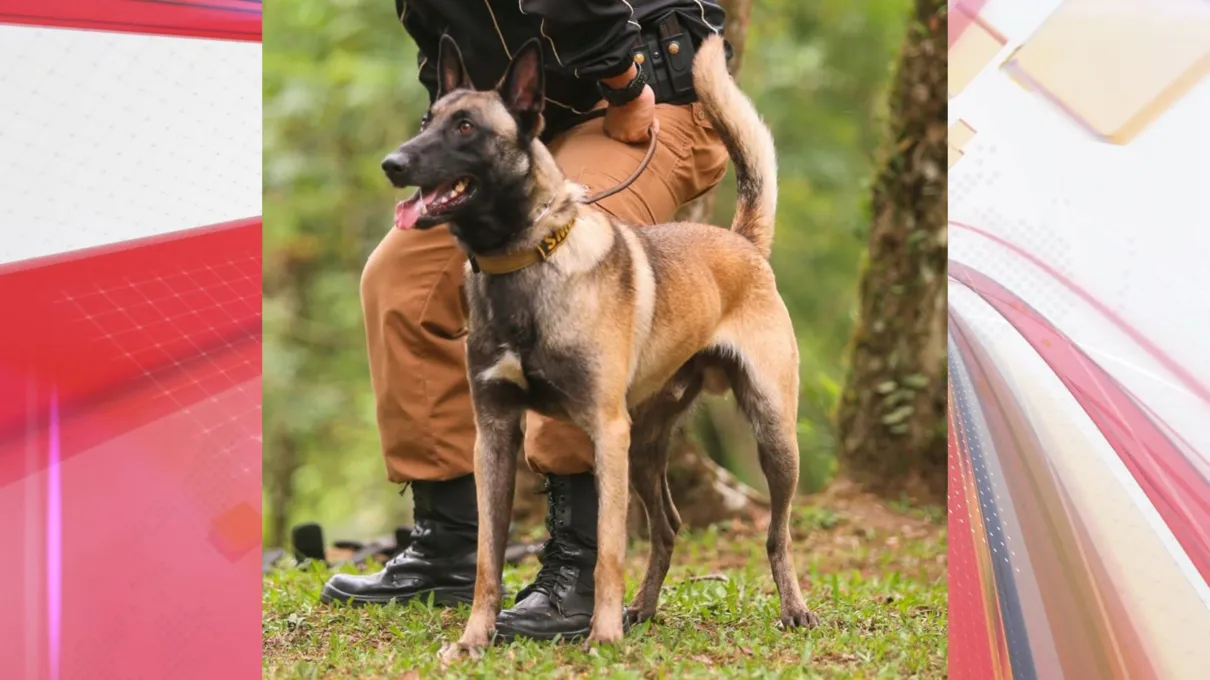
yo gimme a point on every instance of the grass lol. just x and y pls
(875, 574)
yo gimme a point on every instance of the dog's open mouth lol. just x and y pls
(433, 202)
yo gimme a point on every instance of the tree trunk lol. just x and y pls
(280, 466)
(891, 418)
(280, 482)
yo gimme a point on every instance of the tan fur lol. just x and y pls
(655, 314)
(748, 143)
(644, 302)
(486, 103)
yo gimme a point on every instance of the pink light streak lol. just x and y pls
(54, 542)
(1182, 374)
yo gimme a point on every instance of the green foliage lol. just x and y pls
(340, 91)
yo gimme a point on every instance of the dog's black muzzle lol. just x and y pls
(397, 166)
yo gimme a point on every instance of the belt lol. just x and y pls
(665, 50)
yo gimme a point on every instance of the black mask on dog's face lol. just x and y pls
(471, 159)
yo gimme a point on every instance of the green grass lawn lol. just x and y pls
(874, 573)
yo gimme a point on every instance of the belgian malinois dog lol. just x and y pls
(614, 328)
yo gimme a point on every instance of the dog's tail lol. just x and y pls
(748, 142)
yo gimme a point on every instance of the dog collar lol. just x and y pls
(512, 262)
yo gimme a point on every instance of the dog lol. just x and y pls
(616, 329)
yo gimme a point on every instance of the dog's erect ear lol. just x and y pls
(451, 72)
(523, 87)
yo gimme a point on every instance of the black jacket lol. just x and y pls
(583, 41)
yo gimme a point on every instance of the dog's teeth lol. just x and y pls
(460, 186)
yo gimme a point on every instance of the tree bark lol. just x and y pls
(280, 482)
(891, 418)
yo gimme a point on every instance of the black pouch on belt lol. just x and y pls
(665, 51)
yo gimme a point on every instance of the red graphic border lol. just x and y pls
(216, 19)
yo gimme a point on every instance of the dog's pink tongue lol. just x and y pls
(407, 212)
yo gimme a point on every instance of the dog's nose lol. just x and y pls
(394, 163)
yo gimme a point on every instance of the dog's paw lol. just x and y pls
(804, 618)
(601, 635)
(634, 616)
(453, 651)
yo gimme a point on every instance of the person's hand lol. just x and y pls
(630, 122)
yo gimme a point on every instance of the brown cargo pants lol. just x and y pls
(416, 320)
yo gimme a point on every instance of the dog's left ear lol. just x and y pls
(451, 72)
(523, 88)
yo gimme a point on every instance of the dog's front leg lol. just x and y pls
(611, 440)
(496, 445)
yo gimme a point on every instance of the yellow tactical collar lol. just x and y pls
(512, 262)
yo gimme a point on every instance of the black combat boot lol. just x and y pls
(559, 601)
(440, 559)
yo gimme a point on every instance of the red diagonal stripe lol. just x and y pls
(970, 654)
(222, 19)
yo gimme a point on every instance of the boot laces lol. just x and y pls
(421, 530)
(552, 556)
(420, 533)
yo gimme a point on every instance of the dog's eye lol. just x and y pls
(465, 127)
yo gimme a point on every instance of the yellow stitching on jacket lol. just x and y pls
(566, 106)
(703, 8)
(542, 30)
(498, 33)
(631, 19)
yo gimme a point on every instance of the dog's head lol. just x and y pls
(472, 158)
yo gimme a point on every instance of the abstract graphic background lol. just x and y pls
(130, 365)
(1079, 321)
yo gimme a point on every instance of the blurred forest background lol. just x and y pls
(340, 91)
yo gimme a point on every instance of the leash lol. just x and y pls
(654, 132)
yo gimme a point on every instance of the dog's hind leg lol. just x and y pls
(670, 511)
(651, 434)
(764, 378)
